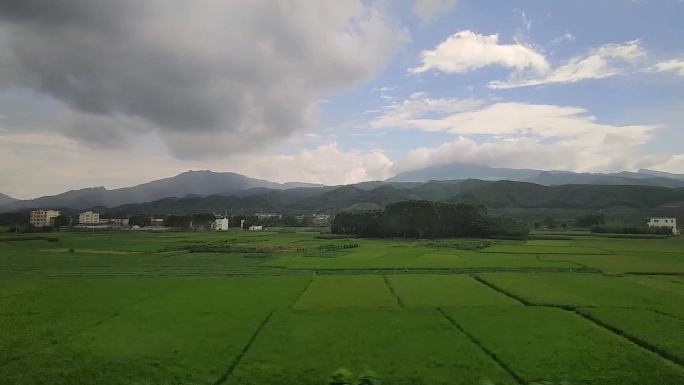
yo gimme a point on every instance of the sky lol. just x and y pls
(116, 93)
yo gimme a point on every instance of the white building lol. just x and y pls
(220, 224)
(268, 215)
(256, 228)
(119, 221)
(40, 218)
(664, 222)
(88, 218)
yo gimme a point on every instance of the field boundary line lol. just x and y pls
(631, 338)
(666, 314)
(224, 377)
(479, 344)
(540, 259)
(452, 271)
(502, 291)
(301, 293)
(400, 302)
(676, 274)
(121, 308)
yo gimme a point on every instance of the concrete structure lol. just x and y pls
(40, 218)
(664, 222)
(256, 228)
(118, 221)
(268, 215)
(158, 222)
(220, 224)
(88, 218)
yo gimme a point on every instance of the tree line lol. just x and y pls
(427, 219)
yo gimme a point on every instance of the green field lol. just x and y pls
(292, 307)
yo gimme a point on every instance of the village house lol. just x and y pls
(42, 218)
(220, 224)
(664, 222)
(88, 218)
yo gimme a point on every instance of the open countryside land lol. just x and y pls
(289, 306)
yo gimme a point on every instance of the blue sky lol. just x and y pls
(106, 93)
(636, 98)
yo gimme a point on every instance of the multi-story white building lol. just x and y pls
(664, 222)
(88, 218)
(220, 224)
(40, 218)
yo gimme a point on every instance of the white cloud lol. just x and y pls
(426, 10)
(674, 65)
(510, 134)
(326, 164)
(605, 61)
(27, 165)
(477, 117)
(411, 112)
(567, 36)
(204, 76)
(466, 51)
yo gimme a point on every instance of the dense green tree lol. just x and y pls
(62, 220)
(589, 220)
(139, 220)
(425, 219)
(550, 223)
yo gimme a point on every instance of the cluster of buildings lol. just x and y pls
(92, 219)
(47, 218)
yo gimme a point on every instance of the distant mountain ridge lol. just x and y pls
(456, 177)
(199, 183)
(459, 171)
(5, 199)
(493, 194)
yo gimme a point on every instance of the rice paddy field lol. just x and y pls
(297, 307)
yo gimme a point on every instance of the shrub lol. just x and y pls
(460, 245)
(615, 229)
(368, 377)
(332, 247)
(341, 376)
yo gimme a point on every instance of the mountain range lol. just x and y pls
(189, 188)
(6, 199)
(456, 171)
(190, 183)
(499, 196)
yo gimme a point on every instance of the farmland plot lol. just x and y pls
(663, 332)
(403, 347)
(554, 345)
(446, 290)
(583, 290)
(188, 332)
(346, 291)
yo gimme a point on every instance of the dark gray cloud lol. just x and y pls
(206, 76)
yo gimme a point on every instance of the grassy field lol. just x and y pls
(292, 307)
